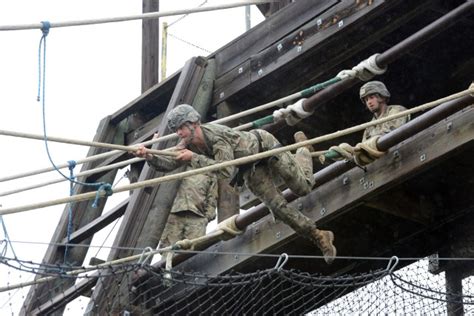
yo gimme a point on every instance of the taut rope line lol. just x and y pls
(303, 93)
(144, 16)
(235, 162)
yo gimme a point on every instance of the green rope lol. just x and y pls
(332, 154)
(262, 121)
(313, 89)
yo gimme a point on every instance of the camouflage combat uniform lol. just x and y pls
(193, 208)
(224, 144)
(385, 128)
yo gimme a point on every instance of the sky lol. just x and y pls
(91, 72)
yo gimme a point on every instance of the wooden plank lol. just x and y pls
(401, 204)
(332, 199)
(278, 25)
(97, 224)
(228, 197)
(323, 25)
(150, 46)
(82, 214)
(267, 9)
(146, 201)
(317, 48)
(60, 300)
(156, 95)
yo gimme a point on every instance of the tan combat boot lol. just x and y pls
(301, 137)
(324, 240)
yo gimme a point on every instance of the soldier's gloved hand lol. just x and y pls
(184, 155)
(292, 113)
(297, 113)
(142, 152)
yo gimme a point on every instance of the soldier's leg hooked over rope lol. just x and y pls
(260, 182)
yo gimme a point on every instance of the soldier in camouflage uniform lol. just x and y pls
(205, 145)
(375, 96)
(194, 205)
(193, 208)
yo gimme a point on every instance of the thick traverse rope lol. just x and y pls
(119, 148)
(77, 175)
(366, 152)
(363, 153)
(235, 162)
(84, 143)
(144, 16)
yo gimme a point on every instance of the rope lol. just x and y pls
(189, 43)
(144, 16)
(362, 154)
(235, 162)
(83, 143)
(80, 174)
(256, 124)
(335, 153)
(42, 97)
(365, 70)
(72, 165)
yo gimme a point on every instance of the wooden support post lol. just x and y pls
(148, 209)
(82, 214)
(150, 46)
(228, 203)
(454, 306)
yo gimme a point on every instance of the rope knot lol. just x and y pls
(365, 70)
(71, 164)
(104, 187)
(229, 227)
(45, 27)
(363, 153)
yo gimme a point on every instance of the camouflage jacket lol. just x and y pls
(197, 194)
(222, 144)
(385, 128)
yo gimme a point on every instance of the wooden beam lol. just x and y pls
(150, 46)
(82, 214)
(401, 204)
(145, 203)
(97, 224)
(228, 197)
(60, 300)
(157, 96)
(265, 34)
(325, 44)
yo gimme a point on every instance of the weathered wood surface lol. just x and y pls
(132, 232)
(82, 214)
(150, 46)
(97, 224)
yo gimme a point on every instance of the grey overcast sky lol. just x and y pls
(91, 71)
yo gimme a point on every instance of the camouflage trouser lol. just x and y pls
(296, 171)
(183, 225)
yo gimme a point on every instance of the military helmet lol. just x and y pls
(373, 87)
(181, 114)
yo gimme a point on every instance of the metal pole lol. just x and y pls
(454, 304)
(393, 53)
(442, 111)
(384, 143)
(247, 18)
(164, 41)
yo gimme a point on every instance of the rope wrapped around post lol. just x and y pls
(227, 229)
(363, 153)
